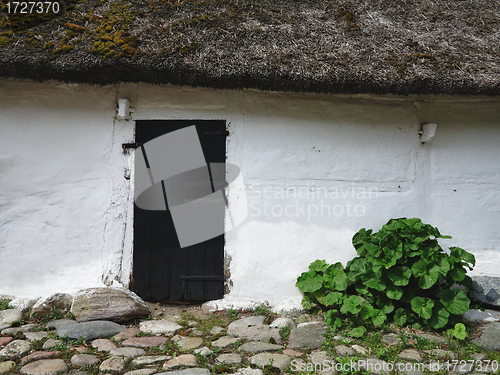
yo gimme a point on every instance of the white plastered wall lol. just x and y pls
(317, 168)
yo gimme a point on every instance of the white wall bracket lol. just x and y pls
(124, 110)
(427, 132)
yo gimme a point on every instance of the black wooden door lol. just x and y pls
(162, 270)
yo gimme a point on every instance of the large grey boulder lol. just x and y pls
(60, 301)
(490, 338)
(115, 304)
(486, 290)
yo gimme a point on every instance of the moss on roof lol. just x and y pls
(346, 46)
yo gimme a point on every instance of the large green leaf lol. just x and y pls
(352, 305)
(422, 306)
(357, 332)
(393, 292)
(458, 254)
(429, 279)
(457, 273)
(331, 298)
(400, 317)
(356, 267)
(309, 282)
(439, 316)
(373, 281)
(336, 277)
(455, 301)
(400, 276)
(459, 331)
(378, 317)
(306, 303)
(318, 265)
(419, 268)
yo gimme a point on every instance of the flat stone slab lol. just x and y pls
(184, 359)
(203, 351)
(143, 371)
(5, 340)
(486, 316)
(128, 352)
(310, 336)
(272, 359)
(80, 360)
(103, 345)
(282, 323)
(16, 349)
(410, 355)
(9, 316)
(189, 343)
(292, 353)
(262, 333)
(216, 330)
(359, 349)
(7, 366)
(36, 356)
(145, 342)
(441, 353)
(190, 371)
(249, 371)
(24, 328)
(127, 334)
(343, 350)
(149, 360)
(224, 342)
(45, 367)
(259, 346)
(320, 357)
(116, 304)
(391, 339)
(159, 327)
(51, 344)
(251, 321)
(490, 337)
(35, 336)
(114, 365)
(438, 339)
(229, 359)
(87, 330)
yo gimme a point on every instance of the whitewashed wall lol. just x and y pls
(317, 168)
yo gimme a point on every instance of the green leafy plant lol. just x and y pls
(285, 332)
(401, 275)
(233, 314)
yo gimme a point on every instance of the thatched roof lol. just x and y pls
(332, 46)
